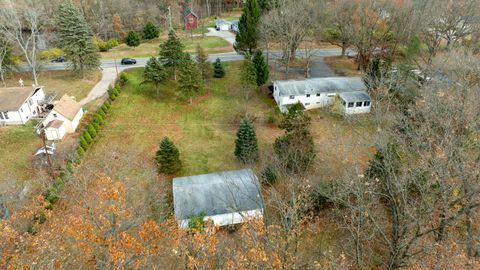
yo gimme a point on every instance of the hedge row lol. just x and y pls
(87, 137)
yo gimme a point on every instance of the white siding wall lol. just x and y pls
(76, 120)
(228, 219)
(356, 109)
(55, 134)
(70, 125)
(26, 111)
(310, 102)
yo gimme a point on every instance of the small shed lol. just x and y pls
(55, 130)
(226, 198)
(356, 102)
(190, 20)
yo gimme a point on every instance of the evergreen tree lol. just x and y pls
(154, 72)
(295, 150)
(202, 62)
(261, 67)
(132, 39)
(150, 31)
(168, 157)
(218, 69)
(246, 39)
(190, 78)
(76, 38)
(171, 52)
(248, 76)
(246, 144)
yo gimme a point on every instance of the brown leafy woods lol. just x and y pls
(93, 226)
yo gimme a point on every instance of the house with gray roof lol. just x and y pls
(321, 92)
(226, 198)
(20, 104)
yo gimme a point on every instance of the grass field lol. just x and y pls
(62, 82)
(151, 48)
(343, 66)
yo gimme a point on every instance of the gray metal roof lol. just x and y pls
(216, 193)
(320, 85)
(355, 96)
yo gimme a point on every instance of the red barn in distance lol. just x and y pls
(191, 20)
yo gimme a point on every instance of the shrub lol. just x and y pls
(132, 39)
(98, 119)
(79, 154)
(102, 114)
(83, 142)
(168, 157)
(150, 31)
(113, 42)
(51, 195)
(196, 223)
(112, 96)
(322, 196)
(123, 78)
(118, 88)
(218, 69)
(107, 105)
(69, 166)
(40, 218)
(87, 138)
(95, 125)
(102, 45)
(51, 53)
(268, 176)
(91, 130)
(104, 109)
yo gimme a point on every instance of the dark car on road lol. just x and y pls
(128, 61)
(59, 59)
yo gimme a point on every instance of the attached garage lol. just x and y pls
(55, 130)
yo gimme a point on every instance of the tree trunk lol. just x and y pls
(344, 49)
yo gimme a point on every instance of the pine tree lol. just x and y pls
(154, 72)
(246, 39)
(150, 31)
(218, 69)
(202, 62)
(295, 150)
(261, 67)
(76, 38)
(132, 39)
(190, 78)
(171, 52)
(248, 75)
(246, 144)
(168, 157)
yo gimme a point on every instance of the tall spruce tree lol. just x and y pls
(246, 144)
(202, 62)
(218, 69)
(154, 72)
(248, 78)
(246, 39)
(168, 157)
(150, 31)
(76, 38)
(295, 150)
(261, 67)
(171, 52)
(190, 78)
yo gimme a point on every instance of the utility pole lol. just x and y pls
(44, 140)
(170, 17)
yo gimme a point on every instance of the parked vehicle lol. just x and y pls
(59, 59)
(128, 61)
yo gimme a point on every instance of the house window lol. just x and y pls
(308, 95)
(21, 110)
(4, 115)
(343, 102)
(30, 102)
(306, 104)
(366, 103)
(292, 97)
(350, 104)
(318, 94)
(359, 104)
(1, 116)
(54, 115)
(318, 102)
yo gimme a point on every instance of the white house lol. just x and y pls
(222, 25)
(321, 92)
(20, 104)
(226, 198)
(63, 118)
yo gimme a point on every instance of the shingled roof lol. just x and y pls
(320, 85)
(67, 107)
(12, 98)
(216, 193)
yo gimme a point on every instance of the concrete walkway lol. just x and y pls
(109, 75)
(227, 35)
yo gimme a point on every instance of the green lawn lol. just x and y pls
(151, 48)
